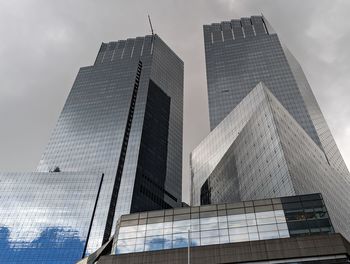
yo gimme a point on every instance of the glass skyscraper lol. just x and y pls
(108, 125)
(243, 52)
(259, 151)
(269, 137)
(123, 120)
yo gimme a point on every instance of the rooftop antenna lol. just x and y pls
(150, 23)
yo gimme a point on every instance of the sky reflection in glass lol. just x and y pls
(45, 217)
(203, 231)
(223, 223)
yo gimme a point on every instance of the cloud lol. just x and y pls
(34, 202)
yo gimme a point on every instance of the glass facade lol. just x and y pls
(243, 52)
(46, 217)
(221, 224)
(235, 152)
(105, 126)
(260, 151)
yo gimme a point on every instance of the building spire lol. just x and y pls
(150, 23)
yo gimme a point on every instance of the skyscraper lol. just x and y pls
(269, 137)
(123, 120)
(243, 52)
(107, 125)
(259, 151)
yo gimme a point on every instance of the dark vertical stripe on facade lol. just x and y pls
(113, 203)
(93, 215)
(149, 187)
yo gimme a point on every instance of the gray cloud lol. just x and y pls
(45, 42)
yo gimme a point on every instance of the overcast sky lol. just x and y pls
(44, 43)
